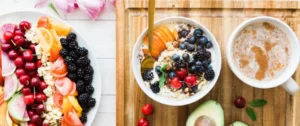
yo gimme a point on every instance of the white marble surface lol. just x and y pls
(101, 36)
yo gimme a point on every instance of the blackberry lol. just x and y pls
(80, 86)
(91, 102)
(81, 51)
(83, 118)
(86, 109)
(64, 52)
(68, 60)
(88, 70)
(72, 68)
(80, 73)
(207, 54)
(64, 43)
(73, 54)
(209, 74)
(87, 79)
(71, 37)
(148, 75)
(73, 45)
(83, 98)
(180, 64)
(72, 76)
(201, 55)
(83, 61)
(89, 89)
(155, 87)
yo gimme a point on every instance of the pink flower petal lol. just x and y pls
(64, 5)
(113, 2)
(40, 3)
(92, 7)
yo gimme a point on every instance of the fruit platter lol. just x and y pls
(48, 73)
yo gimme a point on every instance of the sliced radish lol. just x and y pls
(17, 108)
(10, 86)
(8, 27)
(9, 66)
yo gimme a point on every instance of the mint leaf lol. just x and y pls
(258, 103)
(162, 80)
(250, 112)
(163, 68)
(53, 8)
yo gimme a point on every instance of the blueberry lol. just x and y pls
(192, 40)
(198, 63)
(209, 61)
(205, 63)
(190, 47)
(198, 33)
(193, 69)
(199, 47)
(209, 45)
(200, 69)
(172, 74)
(176, 57)
(182, 46)
(157, 68)
(183, 86)
(180, 64)
(202, 40)
(207, 54)
(195, 89)
(191, 62)
(186, 57)
(183, 33)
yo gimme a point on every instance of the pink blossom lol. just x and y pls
(91, 7)
(64, 5)
(113, 2)
(41, 3)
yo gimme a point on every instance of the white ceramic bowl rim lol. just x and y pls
(170, 101)
(293, 60)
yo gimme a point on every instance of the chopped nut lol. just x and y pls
(176, 44)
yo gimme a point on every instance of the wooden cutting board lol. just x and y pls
(221, 17)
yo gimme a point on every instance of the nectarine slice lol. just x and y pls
(168, 32)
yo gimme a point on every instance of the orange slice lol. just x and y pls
(46, 39)
(61, 29)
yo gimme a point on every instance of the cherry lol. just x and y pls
(175, 83)
(19, 32)
(30, 113)
(35, 119)
(19, 40)
(31, 124)
(29, 99)
(182, 73)
(20, 51)
(32, 47)
(240, 102)
(43, 85)
(32, 73)
(143, 122)
(26, 91)
(19, 62)
(24, 79)
(147, 109)
(27, 55)
(24, 26)
(40, 108)
(45, 124)
(40, 97)
(30, 66)
(20, 71)
(13, 54)
(26, 44)
(8, 35)
(6, 47)
(190, 80)
(35, 81)
(39, 63)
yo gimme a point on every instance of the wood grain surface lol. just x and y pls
(281, 109)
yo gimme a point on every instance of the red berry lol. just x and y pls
(182, 73)
(240, 102)
(19, 62)
(20, 71)
(190, 80)
(7, 36)
(19, 32)
(6, 47)
(36, 119)
(39, 63)
(32, 73)
(40, 108)
(24, 79)
(175, 83)
(29, 99)
(45, 124)
(31, 124)
(30, 113)
(143, 122)
(30, 66)
(24, 26)
(13, 54)
(27, 55)
(40, 97)
(19, 40)
(43, 85)
(32, 47)
(35, 81)
(26, 91)
(147, 109)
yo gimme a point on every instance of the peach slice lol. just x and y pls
(166, 30)
(160, 35)
(175, 33)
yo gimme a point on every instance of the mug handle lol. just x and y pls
(291, 86)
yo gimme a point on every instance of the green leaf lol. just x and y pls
(258, 103)
(251, 113)
(163, 68)
(162, 80)
(53, 8)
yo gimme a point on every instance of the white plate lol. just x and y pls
(32, 17)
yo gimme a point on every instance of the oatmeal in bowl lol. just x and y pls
(187, 61)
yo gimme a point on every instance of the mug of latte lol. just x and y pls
(263, 52)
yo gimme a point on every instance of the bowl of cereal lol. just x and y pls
(188, 61)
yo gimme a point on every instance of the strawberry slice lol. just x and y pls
(59, 67)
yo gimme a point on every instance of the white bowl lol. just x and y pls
(33, 16)
(216, 64)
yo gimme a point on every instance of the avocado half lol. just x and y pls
(239, 123)
(209, 113)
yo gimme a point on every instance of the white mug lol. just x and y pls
(284, 79)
